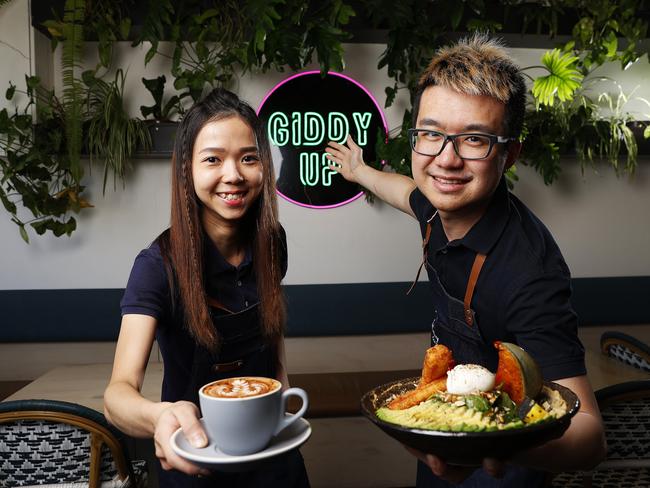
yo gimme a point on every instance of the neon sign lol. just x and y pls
(302, 114)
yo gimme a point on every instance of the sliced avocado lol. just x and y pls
(434, 414)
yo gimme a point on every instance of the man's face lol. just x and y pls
(458, 188)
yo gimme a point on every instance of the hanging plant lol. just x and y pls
(113, 136)
(561, 118)
(214, 41)
(34, 171)
(256, 35)
(160, 110)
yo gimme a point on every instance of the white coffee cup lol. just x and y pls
(242, 414)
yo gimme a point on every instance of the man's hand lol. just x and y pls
(186, 416)
(456, 474)
(348, 160)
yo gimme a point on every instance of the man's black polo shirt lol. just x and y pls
(524, 289)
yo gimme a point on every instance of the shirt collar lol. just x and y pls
(485, 233)
(216, 263)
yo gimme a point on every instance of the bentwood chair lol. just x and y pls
(625, 408)
(626, 348)
(46, 442)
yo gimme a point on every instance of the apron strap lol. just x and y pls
(425, 242)
(213, 302)
(471, 284)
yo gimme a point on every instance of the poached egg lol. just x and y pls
(469, 378)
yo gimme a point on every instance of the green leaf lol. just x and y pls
(8, 205)
(561, 82)
(390, 95)
(23, 233)
(583, 31)
(10, 91)
(611, 43)
(40, 226)
(477, 402)
(345, 12)
(207, 14)
(150, 53)
(32, 82)
(55, 28)
(125, 28)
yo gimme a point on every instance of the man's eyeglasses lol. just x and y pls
(470, 145)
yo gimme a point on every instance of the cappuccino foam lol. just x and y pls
(241, 387)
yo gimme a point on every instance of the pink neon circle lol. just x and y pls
(340, 75)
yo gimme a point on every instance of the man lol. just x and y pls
(495, 271)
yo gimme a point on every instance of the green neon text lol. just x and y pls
(311, 128)
(314, 169)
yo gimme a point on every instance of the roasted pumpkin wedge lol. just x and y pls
(518, 373)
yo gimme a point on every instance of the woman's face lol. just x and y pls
(226, 169)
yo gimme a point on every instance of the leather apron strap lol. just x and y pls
(479, 260)
(214, 303)
(471, 284)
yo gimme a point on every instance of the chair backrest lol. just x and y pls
(51, 442)
(626, 348)
(625, 408)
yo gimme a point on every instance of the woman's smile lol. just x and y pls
(233, 198)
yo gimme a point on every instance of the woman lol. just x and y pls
(208, 290)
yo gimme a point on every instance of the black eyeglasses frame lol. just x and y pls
(494, 139)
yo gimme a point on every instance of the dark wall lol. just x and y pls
(314, 310)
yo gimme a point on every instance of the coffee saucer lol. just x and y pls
(211, 457)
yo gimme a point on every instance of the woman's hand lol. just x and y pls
(186, 416)
(348, 160)
(456, 474)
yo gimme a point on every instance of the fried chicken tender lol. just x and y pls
(437, 361)
(420, 394)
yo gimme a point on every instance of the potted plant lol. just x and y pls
(158, 118)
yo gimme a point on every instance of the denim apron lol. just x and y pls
(243, 352)
(455, 325)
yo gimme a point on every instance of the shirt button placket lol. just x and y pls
(239, 284)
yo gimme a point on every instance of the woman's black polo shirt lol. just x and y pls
(148, 293)
(524, 288)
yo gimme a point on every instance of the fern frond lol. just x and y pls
(71, 56)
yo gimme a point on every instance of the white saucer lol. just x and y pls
(211, 457)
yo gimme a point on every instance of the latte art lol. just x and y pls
(241, 387)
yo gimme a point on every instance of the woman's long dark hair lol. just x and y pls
(182, 245)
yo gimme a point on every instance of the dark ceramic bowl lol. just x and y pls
(467, 448)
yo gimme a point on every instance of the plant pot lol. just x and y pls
(643, 144)
(163, 134)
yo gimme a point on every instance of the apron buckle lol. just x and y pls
(434, 336)
(225, 367)
(468, 317)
